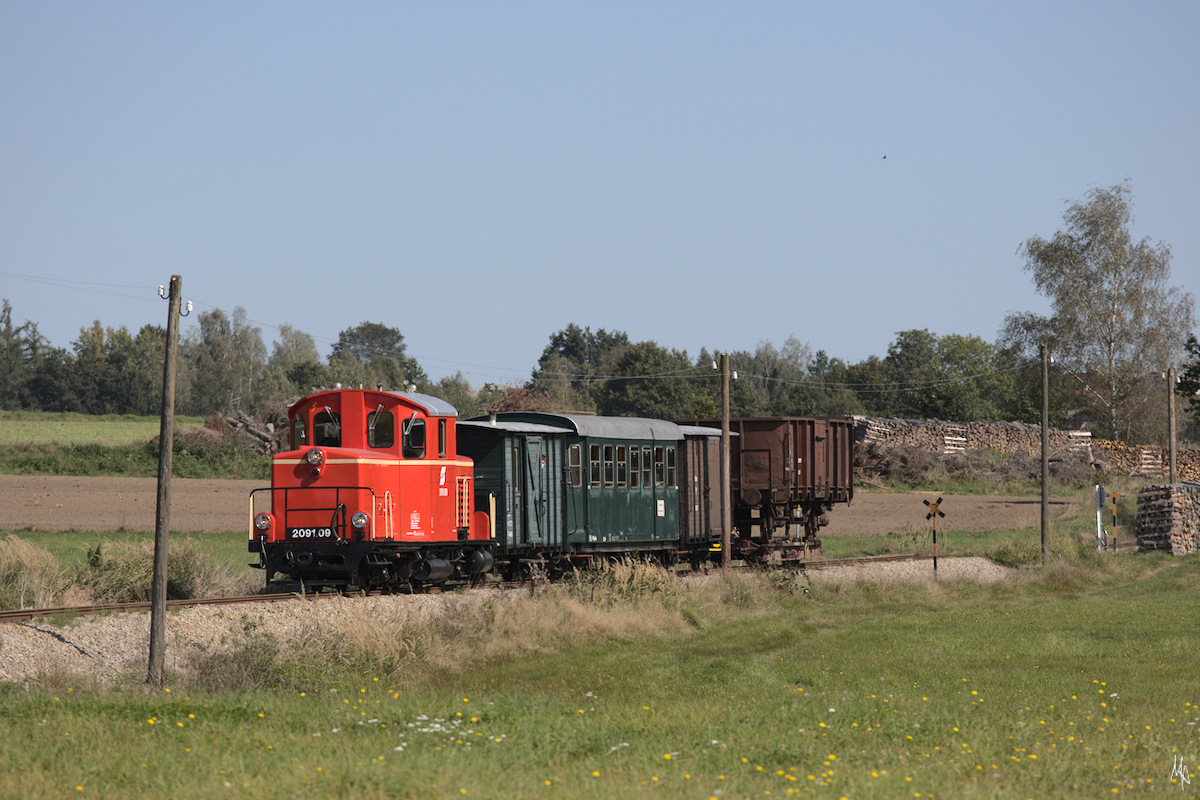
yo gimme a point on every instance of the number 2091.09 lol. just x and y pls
(310, 533)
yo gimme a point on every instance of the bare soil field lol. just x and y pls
(67, 503)
(56, 503)
(878, 514)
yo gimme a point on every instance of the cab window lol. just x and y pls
(327, 428)
(381, 429)
(299, 433)
(414, 438)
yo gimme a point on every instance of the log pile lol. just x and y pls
(936, 436)
(262, 436)
(1168, 518)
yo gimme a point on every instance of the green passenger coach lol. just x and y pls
(570, 485)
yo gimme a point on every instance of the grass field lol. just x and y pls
(41, 443)
(1077, 679)
(1073, 681)
(39, 429)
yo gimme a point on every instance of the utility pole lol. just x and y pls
(726, 501)
(1171, 422)
(162, 524)
(1045, 452)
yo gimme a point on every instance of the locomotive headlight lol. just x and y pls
(263, 521)
(360, 520)
(315, 457)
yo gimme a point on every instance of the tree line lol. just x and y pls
(1116, 324)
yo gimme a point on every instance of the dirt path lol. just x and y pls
(215, 506)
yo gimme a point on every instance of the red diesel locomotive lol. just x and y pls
(371, 493)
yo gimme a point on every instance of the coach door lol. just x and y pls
(541, 499)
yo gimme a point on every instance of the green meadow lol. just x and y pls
(42, 428)
(1073, 680)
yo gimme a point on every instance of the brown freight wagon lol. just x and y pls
(786, 474)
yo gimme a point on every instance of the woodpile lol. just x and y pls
(1168, 518)
(936, 436)
(261, 435)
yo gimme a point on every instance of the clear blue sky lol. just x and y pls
(480, 174)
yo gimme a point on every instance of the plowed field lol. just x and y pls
(214, 506)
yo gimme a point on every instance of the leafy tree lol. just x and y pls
(224, 360)
(456, 391)
(926, 376)
(293, 347)
(825, 391)
(51, 384)
(574, 360)
(870, 381)
(381, 353)
(294, 367)
(117, 373)
(1188, 388)
(1115, 316)
(648, 381)
(13, 372)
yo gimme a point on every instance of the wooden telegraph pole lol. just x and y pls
(726, 501)
(1045, 452)
(1171, 423)
(162, 524)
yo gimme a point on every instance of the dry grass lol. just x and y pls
(437, 634)
(29, 576)
(122, 572)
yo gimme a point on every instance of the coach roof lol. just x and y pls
(599, 427)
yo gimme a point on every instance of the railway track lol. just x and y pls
(26, 614)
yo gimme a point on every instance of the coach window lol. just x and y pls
(575, 465)
(659, 464)
(327, 428)
(414, 437)
(635, 467)
(608, 466)
(672, 477)
(516, 465)
(381, 428)
(594, 459)
(622, 466)
(647, 474)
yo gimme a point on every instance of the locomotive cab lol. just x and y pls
(371, 493)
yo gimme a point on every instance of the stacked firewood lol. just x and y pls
(1168, 518)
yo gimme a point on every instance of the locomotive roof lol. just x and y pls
(589, 425)
(433, 406)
